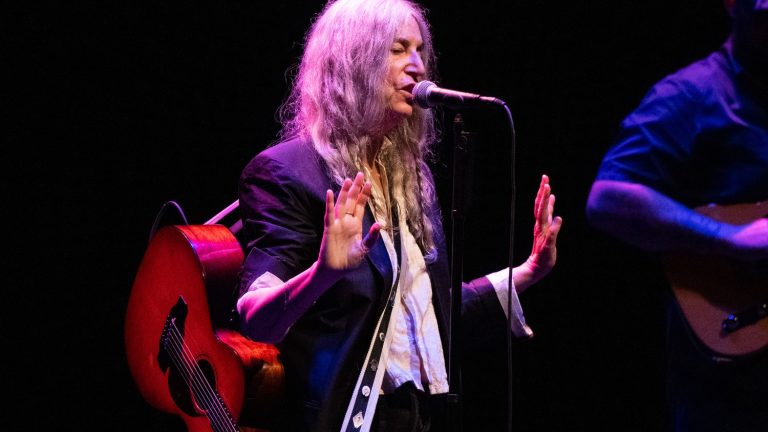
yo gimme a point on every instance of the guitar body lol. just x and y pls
(194, 269)
(709, 289)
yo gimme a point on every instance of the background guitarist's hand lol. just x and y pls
(749, 242)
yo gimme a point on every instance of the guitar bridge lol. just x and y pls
(744, 318)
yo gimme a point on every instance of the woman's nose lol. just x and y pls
(415, 65)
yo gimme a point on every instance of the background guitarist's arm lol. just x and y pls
(652, 221)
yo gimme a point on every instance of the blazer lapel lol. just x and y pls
(378, 255)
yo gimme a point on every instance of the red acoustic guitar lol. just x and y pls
(724, 302)
(181, 355)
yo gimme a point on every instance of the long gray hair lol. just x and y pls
(338, 101)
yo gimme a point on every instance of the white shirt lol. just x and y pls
(416, 352)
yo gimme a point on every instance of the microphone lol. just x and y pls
(427, 95)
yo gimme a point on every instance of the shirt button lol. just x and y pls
(366, 391)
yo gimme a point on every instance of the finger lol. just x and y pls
(341, 202)
(329, 210)
(362, 199)
(540, 196)
(544, 213)
(554, 230)
(371, 237)
(359, 179)
(537, 201)
(354, 193)
(551, 207)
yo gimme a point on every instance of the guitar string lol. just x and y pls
(200, 382)
(207, 395)
(198, 389)
(216, 412)
(192, 380)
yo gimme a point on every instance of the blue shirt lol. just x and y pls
(699, 136)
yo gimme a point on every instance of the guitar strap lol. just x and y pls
(362, 405)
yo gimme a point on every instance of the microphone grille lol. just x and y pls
(421, 92)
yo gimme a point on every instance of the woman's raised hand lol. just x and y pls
(343, 246)
(544, 252)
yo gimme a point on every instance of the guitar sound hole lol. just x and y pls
(192, 400)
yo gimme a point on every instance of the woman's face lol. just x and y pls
(406, 68)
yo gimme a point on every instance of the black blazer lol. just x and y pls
(282, 197)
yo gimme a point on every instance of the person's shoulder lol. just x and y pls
(288, 150)
(292, 161)
(699, 79)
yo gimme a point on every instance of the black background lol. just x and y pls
(118, 107)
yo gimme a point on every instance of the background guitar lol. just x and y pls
(181, 353)
(709, 289)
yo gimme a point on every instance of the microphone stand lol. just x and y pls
(460, 203)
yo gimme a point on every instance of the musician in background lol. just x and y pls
(320, 266)
(699, 136)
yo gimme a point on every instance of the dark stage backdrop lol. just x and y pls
(119, 107)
